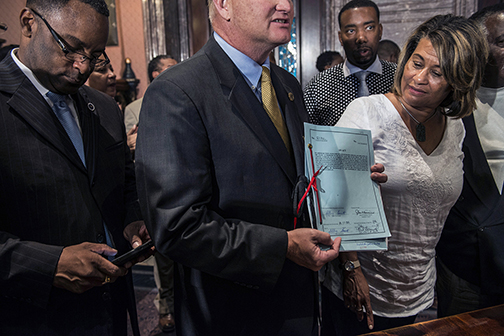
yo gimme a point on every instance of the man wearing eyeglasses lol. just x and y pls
(68, 195)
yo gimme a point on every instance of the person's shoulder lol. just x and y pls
(388, 67)
(285, 75)
(374, 105)
(374, 100)
(457, 126)
(10, 74)
(134, 105)
(90, 92)
(189, 72)
(99, 102)
(380, 102)
(5, 66)
(330, 76)
(368, 111)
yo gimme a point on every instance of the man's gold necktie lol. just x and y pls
(270, 103)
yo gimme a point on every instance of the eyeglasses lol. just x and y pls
(70, 53)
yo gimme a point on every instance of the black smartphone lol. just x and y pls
(133, 254)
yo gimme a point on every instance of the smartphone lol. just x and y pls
(133, 254)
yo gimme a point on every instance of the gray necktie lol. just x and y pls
(363, 90)
(66, 119)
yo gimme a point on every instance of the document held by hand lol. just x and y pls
(346, 203)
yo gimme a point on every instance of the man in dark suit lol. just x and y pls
(470, 261)
(67, 180)
(216, 177)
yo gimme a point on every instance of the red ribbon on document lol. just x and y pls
(312, 184)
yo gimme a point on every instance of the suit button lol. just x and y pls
(481, 229)
(100, 238)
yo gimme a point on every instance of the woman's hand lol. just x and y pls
(356, 295)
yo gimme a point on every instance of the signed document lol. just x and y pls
(345, 203)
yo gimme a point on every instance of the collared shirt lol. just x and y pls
(40, 88)
(328, 94)
(350, 69)
(249, 68)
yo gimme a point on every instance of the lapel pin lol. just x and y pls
(91, 107)
(291, 96)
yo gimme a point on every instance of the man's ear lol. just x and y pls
(339, 36)
(380, 30)
(221, 6)
(27, 21)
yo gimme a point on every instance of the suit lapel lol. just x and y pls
(89, 121)
(247, 106)
(289, 107)
(477, 171)
(27, 102)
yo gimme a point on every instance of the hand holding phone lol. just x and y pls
(133, 254)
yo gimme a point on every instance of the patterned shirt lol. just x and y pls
(328, 94)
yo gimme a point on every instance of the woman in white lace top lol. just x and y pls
(417, 135)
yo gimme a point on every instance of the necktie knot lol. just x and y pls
(265, 75)
(363, 88)
(362, 75)
(56, 98)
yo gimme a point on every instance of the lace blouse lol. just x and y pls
(419, 193)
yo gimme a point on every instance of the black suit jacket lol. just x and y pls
(49, 200)
(215, 183)
(472, 242)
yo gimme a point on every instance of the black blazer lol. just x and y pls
(215, 183)
(49, 200)
(472, 242)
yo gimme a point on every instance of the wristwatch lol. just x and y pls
(351, 265)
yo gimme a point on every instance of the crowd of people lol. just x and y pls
(210, 165)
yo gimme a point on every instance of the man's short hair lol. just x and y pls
(326, 58)
(358, 4)
(47, 5)
(155, 65)
(482, 15)
(387, 48)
